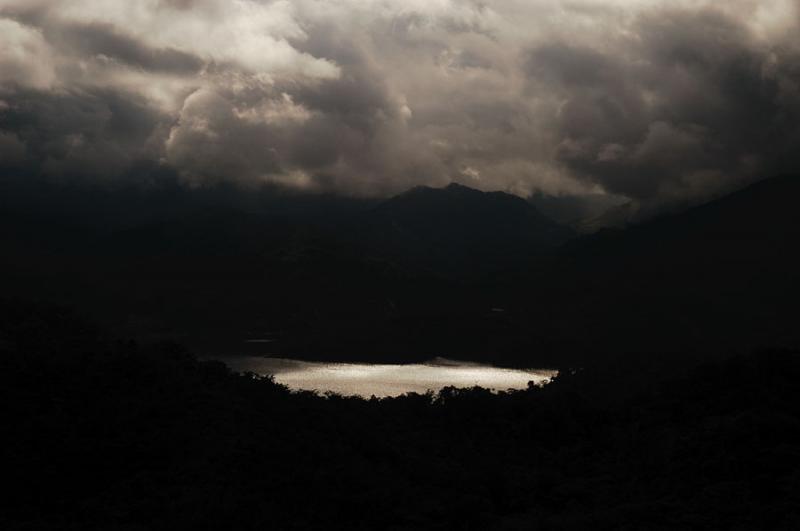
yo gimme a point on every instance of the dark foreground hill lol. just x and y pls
(103, 434)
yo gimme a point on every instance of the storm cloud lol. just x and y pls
(659, 102)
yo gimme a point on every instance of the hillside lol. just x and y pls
(723, 275)
(459, 230)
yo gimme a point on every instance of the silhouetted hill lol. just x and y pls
(212, 275)
(452, 272)
(110, 434)
(759, 224)
(726, 274)
(457, 230)
(220, 232)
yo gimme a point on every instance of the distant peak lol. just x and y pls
(450, 188)
(458, 187)
(455, 190)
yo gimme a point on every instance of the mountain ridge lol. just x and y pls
(458, 227)
(420, 273)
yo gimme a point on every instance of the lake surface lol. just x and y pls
(366, 380)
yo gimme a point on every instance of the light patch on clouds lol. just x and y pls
(25, 57)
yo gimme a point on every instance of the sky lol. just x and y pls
(659, 102)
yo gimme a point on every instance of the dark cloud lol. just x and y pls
(657, 102)
(106, 41)
(79, 134)
(699, 105)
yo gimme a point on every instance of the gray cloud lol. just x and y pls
(104, 40)
(80, 134)
(661, 102)
(701, 106)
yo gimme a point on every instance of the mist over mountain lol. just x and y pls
(576, 210)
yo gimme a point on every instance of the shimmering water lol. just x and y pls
(381, 380)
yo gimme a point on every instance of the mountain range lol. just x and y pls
(453, 272)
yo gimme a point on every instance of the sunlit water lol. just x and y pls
(368, 380)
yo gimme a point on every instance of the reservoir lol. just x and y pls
(383, 380)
